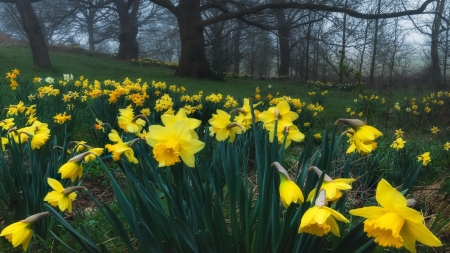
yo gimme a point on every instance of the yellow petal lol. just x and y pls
(55, 184)
(387, 196)
(423, 234)
(333, 226)
(337, 215)
(321, 215)
(369, 212)
(309, 216)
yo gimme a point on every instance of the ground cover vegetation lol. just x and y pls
(188, 170)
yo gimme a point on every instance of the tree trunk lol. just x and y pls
(374, 53)
(446, 57)
(364, 48)
(236, 52)
(342, 53)
(435, 64)
(193, 62)
(283, 38)
(308, 42)
(128, 45)
(34, 33)
(90, 28)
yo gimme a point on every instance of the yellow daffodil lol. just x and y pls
(146, 112)
(222, 126)
(61, 197)
(318, 136)
(435, 130)
(333, 187)
(398, 144)
(120, 147)
(169, 119)
(290, 132)
(171, 143)
(394, 224)
(7, 123)
(447, 146)
(128, 122)
(4, 142)
(281, 112)
(20, 233)
(244, 117)
(61, 118)
(363, 135)
(71, 170)
(425, 158)
(289, 190)
(38, 132)
(319, 220)
(399, 133)
(91, 156)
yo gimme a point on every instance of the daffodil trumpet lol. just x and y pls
(319, 220)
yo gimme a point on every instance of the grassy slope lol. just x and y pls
(101, 67)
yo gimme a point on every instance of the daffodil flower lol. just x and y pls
(73, 168)
(425, 158)
(290, 132)
(120, 147)
(282, 112)
(394, 224)
(398, 144)
(333, 187)
(399, 133)
(319, 220)
(7, 123)
(171, 143)
(20, 233)
(363, 135)
(128, 122)
(289, 190)
(61, 197)
(223, 127)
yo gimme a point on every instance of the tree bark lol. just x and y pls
(308, 42)
(128, 45)
(236, 52)
(283, 38)
(193, 62)
(435, 63)
(34, 33)
(343, 45)
(374, 52)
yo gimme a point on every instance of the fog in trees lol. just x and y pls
(383, 43)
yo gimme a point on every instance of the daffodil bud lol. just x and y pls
(80, 157)
(281, 169)
(234, 124)
(134, 142)
(35, 217)
(237, 110)
(411, 202)
(351, 122)
(140, 116)
(319, 174)
(321, 199)
(71, 189)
